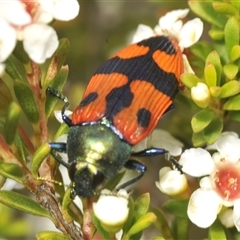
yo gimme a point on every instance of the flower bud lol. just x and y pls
(112, 210)
(200, 95)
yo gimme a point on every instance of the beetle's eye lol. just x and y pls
(72, 170)
(97, 179)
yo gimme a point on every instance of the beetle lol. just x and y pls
(121, 106)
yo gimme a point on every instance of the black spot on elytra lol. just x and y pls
(88, 99)
(143, 117)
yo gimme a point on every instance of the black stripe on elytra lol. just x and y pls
(145, 68)
(143, 117)
(88, 99)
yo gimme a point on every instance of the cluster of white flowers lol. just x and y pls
(27, 21)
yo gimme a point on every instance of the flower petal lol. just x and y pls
(142, 32)
(226, 218)
(203, 207)
(228, 146)
(8, 39)
(64, 10)
(197, 162)
(40, 42)
(236, 214)
(190, 33)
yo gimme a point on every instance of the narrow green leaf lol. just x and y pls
(215, 91)
(142, 223)
(189, 79)
(114, 181)
(66, 202)
(49, 235)
(231, 31)
(141, 205)
(232, 103)
(216, 231)
(57, 61)
(22, 203)
(210, 75)
(129, 222)
(235, 53)
(57, 83)
(19, 145)
(181, 228)
(225, 8)
(230, 70)
(176, 207)
(12, 121)
(26, 100)
(20, 53)
(42, 152)
(214, 59)
(11, 69)
(201, 119)
(213, 130)
(105, 235)
(234, 115)
(216, 34)
(162, 224)
(205, 10)
(5, 95)
(13, 171)
(229, 89)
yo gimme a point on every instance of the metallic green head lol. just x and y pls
(95, 152)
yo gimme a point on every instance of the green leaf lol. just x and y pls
(204, 9)
(11, 69)
(201, 119)
(216, 34)
(176, 207)
(22, 203)
(141, 205)
(42, 152)
(229, 89)
(19, 145)
(11, 124)
(26, 100)
(215, 91)
(198, 139)
(231, 31)
(230, 70)
(201, 50)
(57, 83)
(213, 130)
(210, 75)
(214, 59)
(13, 171)
(225, 8)
(56, 62)
(234, 115)
(162, 224)
(5, 95)
(114, 181)
(235, 53)
(180, 228)
(216, 231)
(105, 235)
(129, 222)
(232, 103)
(66, 202)
(189, 79)
(20, 53)
(142, 223)
(49, 235)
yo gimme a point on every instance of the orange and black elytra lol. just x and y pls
(121, 106)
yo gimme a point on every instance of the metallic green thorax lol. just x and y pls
(92, 149)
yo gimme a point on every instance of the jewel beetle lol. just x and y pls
(121, 106)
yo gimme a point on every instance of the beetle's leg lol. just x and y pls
(132, 164)
(60, 96)
(58, 147)
(159, 151)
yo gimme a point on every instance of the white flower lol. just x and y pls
(172, 182)
(27, 21)
(112, 210)
(161, 139)
(170, 25)
(200, 95)
(220, 185)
